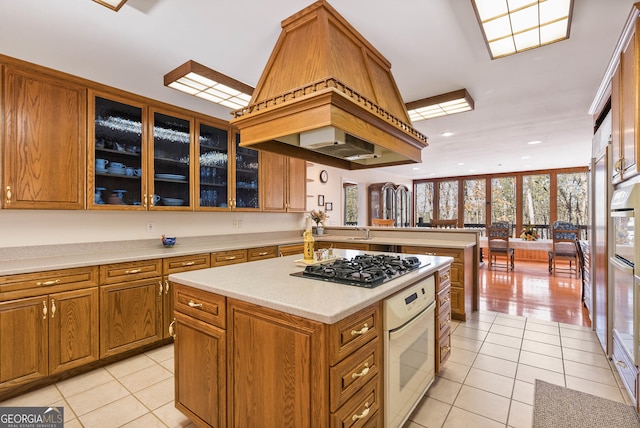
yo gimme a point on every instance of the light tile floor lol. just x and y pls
(489, 379)
(137, 392)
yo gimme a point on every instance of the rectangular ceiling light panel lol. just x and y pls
(512, 26)
(440, 105)
(195, 79)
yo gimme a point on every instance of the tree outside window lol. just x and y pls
(573, 198)
(447, 200)
(535, 201)
(503, 199)
(475, 202)
(350, 204)
(423, 202)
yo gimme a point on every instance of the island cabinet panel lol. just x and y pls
(277, 369)
(130, 315)
(44, 140)
(200, 371)
(461, 277)
(443, 316)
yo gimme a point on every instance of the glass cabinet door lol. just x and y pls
(117, 168)
(171, 161)
(246, 177)
(213, 150)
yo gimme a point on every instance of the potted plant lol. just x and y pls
(529, 233)
(319, 217)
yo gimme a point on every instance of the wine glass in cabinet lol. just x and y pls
(213, 163)
(116, 152)
(246, 177)
(171, 161)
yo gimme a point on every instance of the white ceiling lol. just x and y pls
(434, 46)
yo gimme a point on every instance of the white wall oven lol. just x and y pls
(625, 212)
(409, 341)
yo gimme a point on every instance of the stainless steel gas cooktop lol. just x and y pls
(364, 270)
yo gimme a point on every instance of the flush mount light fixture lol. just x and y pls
(201, 81)
(112, 4)
(512, 26)
(440, 105)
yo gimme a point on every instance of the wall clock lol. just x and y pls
(324, 176)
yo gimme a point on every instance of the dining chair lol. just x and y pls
(564, 236)
(386, 222)
(441, 224)
(498, 241)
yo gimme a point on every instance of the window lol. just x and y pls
(447, 200)
(535, 202)
(572, 198)
(423, 202)
(350, 203)
(475, 202)
(503, 199)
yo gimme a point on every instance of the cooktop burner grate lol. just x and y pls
(363, 270)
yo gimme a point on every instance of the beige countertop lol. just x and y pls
(269, 283)
(16, 260)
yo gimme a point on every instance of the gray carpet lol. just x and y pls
(558, 407)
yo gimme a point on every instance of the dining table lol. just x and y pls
(519, 243)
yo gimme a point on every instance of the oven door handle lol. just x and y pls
(621, 266)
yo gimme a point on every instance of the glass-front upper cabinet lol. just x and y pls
(213, 149)
(171, 162)
(116, 146)
(246, 177)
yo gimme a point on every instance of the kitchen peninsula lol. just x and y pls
(267, 348)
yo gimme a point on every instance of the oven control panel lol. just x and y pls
(406, 304)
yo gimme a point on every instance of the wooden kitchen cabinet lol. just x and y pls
(443, 316)
(461, 273)
(201, 361)
(625, 104)
(130, 306)
(51, 328)
(260, 253)
(284, 183)
(44, 140)
(290, 250)
(175, 265)
(223, 258)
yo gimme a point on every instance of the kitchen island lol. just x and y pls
(255, 346)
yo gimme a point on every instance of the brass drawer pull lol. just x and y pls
(132, 271)
(44, 309)
(160, 284)
(230, 258)
(264, 253)
(45, 283)
(53, 308)
(364, 413)
(430, 254)
(166, 286)
(188, 263)
(360, 332)
(621, 363)
(193, 304)
(364, 371)
(445, 349)
(444, 278)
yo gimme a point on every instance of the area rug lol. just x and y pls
(558, 407)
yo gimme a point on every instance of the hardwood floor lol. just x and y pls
(530, 291)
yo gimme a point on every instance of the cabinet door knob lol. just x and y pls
(44, 309)
(160, 284)
(53, 308)
(8, 194)
(166, 286)
(363, 330)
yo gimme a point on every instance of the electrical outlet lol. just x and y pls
(150, 226)
(236, 224)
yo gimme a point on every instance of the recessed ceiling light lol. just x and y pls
(447, 134)
(525, 157)
(460, 163)
(534, 142)
(416, 168)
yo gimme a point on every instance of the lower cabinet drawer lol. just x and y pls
(443, 349)
(443, 320)
(130, 271)
(262, 253)
(199, 304)
(223, 258)
(353, 372)
(361, 408)
(627, 370)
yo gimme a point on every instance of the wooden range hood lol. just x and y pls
(327, 95)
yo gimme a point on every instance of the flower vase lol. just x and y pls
(319, 230)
